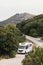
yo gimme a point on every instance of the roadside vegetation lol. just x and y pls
(10, 36)
(35, 57)
(42, 38)
(32, 27)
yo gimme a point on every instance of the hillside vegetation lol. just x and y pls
(33, 26)
(35, 57)
(10, 37)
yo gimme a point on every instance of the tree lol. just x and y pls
(10, 36)
(33, 26)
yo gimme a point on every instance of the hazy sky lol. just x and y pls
(11, 7)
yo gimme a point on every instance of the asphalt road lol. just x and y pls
(13, 61)
(37, 41)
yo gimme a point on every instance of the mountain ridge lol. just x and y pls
(18, 17)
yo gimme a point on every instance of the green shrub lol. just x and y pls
(12, 54)
(10, 36)
(42, 38)
(35, 57)
(33, 33)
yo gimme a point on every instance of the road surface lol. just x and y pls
(13, 61)
(37, 41)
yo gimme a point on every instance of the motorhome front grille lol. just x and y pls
(20, 50)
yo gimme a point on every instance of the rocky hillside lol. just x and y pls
(17, 18)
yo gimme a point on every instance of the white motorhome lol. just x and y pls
(25, 47)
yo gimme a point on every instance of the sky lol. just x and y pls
(10, 7)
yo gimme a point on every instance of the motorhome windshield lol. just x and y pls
(21, 47)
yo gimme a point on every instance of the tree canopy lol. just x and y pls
(33, 26)
(10, 36)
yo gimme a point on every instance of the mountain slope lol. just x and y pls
(17, 18)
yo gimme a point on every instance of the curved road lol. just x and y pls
(37, 41)
(13, 61)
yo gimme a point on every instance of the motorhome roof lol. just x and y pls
(25, 43)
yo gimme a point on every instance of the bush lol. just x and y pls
(10, 36)
(42, 38)
(33, 33)
(35, 57)
(12, 54)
